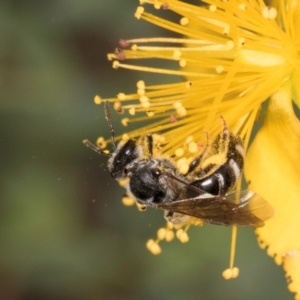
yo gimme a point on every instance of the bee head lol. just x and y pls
(145, 185)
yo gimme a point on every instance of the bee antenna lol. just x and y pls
(95, 148)
(108, 119)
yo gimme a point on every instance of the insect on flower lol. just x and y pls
(203, 192)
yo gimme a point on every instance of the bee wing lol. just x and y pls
(180, 189)
(253, 202)
(252, 210)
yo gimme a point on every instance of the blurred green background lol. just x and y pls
(64, 233)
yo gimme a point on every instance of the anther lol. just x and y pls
(176, 54)
(125, 121)
(269, 12)
(121, 96)
(97, 100)
(128, 201)
(212, 8)
(123, 43)
(145, 104)
(242, 6)
(132, 111)
(153, 247)
(125, 137)
(161, 233)
(140, 84)
(117, 105)
(116, 64)
(189, 139)
(139, 11)
(179, 152)
(219, 69)
(172, 119)
(231, 273)
(184, 21)
(181, 112)
(165, 6)
(140, 92)
(150, 113)
(182, 63)
(177, 105)
(169, 235)
(101, 143)
(120, 54)
(144, 99)
(193, 148)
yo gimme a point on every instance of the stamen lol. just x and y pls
(117, 64)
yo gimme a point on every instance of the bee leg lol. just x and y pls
(176, 218)
(150, 145)
(224, 138)
(197, 161)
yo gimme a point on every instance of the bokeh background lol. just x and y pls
(64, 233)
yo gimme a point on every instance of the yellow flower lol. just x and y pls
(235, 55)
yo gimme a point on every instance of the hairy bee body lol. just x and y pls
(202, 193)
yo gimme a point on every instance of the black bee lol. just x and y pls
(203, 193)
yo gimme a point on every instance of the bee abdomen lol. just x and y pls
(222, 180)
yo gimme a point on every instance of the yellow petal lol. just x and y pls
(291, 264)
(273, 169)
